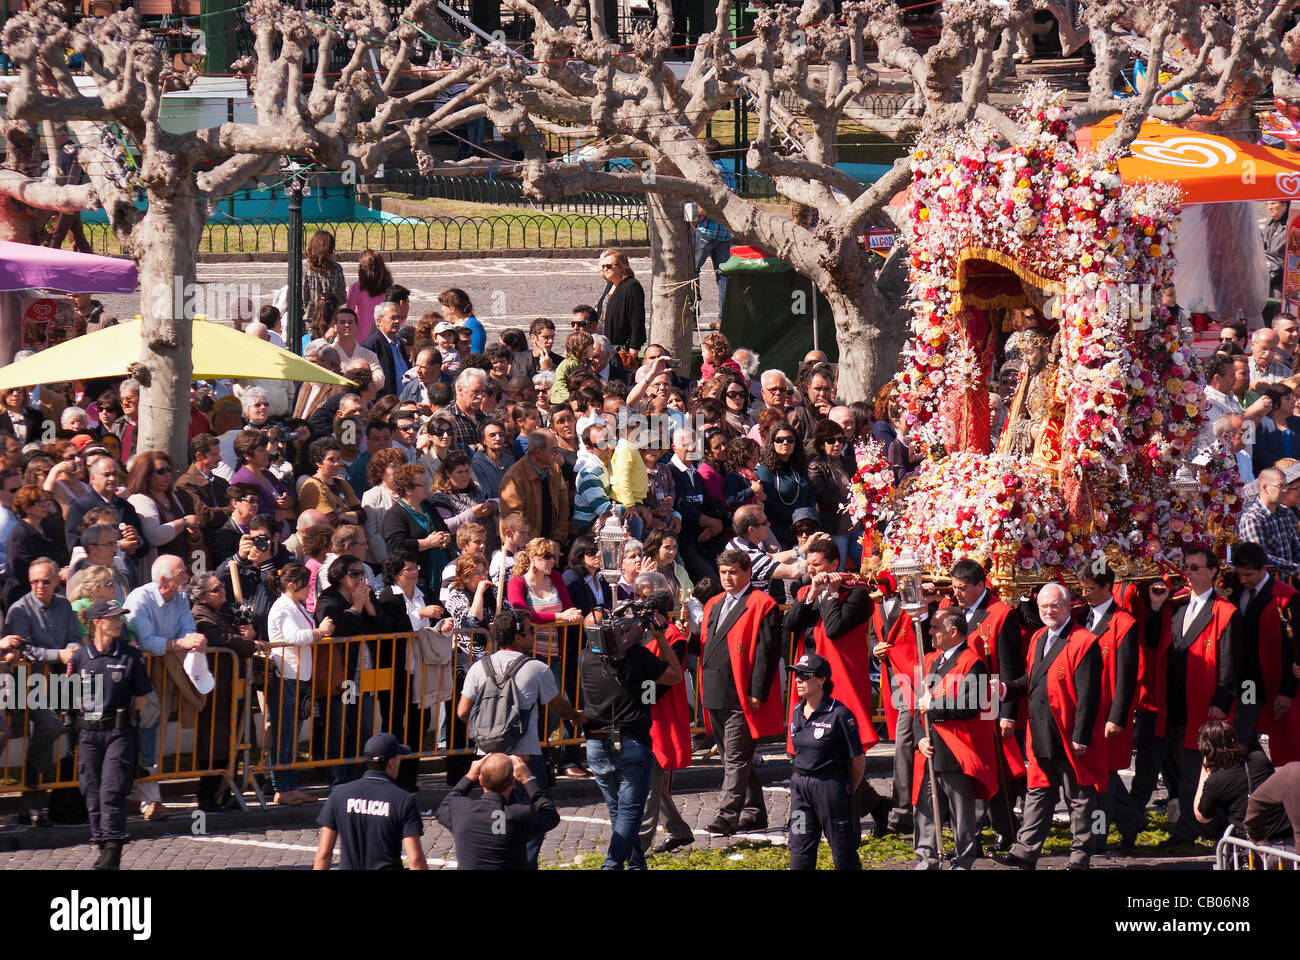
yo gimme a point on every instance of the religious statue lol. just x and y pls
(1031, 407)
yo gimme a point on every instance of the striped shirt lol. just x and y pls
(592, 494)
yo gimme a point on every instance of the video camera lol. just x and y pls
(629, 625)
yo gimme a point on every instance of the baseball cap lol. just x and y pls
(444, 326)
(812, 665)
(806, 513)
(103, 609)
(385, 746)
(81, 440)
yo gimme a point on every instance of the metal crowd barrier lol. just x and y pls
(1238, 853)
(193, 736)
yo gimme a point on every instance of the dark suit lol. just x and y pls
(956, 790)
(1252, 672)
(211, 505)
(1185, 764)
(1116, 802)
(742, 794)
(1052, 754)
(1009, 646)
(321, 422)
(33, 419)
(77, 510)
(581, 595)
(378, 344)
(688, 500)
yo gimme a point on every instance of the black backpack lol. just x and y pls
(496, 725)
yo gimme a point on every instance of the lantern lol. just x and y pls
(907, 569)
(1186, 483)
(610, 538)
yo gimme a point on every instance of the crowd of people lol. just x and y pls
(455, 492)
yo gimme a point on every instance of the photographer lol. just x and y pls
(616, 669)
(535, 686)
(258, 557)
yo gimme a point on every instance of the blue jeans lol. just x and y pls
(282, 698)
(623, 776)
(720, 252)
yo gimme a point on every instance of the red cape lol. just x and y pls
(971, 741)
(897, 666)
(768, 720)
(1119, 748)
(849, 657)
(1063, 701)
(670, 717)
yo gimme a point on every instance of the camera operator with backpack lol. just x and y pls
(501, 696)
(621, 681)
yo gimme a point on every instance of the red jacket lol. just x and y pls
(742, 649)
(1120, 629)
(972, 741)
(1063, 700)
(849, 657)
(898, 665)
(1283, 734)
(670, 716)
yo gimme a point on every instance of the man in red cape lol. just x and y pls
(1117, 637)
(894, 648)
(740, 687)
(993, 633)
(1199, 661)
(1268, 611)
(839, 616)
(1065, 748)
(959, 753)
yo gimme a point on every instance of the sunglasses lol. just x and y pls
(163, 469)
(440, 433)
(246, 499)
(739, 394)
(355, 574)
(783, 440)
(546, 556)
(835, 441)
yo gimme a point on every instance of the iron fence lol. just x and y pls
(507, 232)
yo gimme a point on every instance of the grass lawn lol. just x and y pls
(891, 850)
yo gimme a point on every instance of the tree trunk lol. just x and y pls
(672, 266)
(20, 223)
(869, 334)
(165, 242)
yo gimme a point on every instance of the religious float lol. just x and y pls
(1039, 253)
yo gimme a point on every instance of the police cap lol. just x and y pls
(812, 665)
(385, 746)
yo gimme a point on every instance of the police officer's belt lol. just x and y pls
(823, 774)
(112, 720)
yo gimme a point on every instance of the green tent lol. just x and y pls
(770, 309)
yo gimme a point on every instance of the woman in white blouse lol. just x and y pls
(426, 680)
(291, 631)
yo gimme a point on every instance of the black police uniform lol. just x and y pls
(821, 796)
(106, 744)
(372, 816)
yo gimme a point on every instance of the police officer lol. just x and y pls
(106, 738)
(375, 818)
(828, 766)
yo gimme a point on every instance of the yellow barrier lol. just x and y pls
(193, 736)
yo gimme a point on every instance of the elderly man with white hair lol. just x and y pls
(1065, 754)
(779, 393)
(466, 411)
(158, 615)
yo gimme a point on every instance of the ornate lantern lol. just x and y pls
(610, 538)
(908, 570)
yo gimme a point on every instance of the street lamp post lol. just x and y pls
(293, 326)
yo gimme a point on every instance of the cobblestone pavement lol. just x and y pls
(286, 837)
(506, 292)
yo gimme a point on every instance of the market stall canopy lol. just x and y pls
(24, 266)
(1209, 168)
(219, 352)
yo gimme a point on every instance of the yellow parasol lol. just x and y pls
(219, 352)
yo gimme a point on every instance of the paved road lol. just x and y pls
(505, 292)
(286, 837)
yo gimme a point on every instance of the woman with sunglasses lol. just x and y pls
(66, 480)
(783, 472)
(622, 304)
(437, 441)
(830, 483)
(538, 588)
(166, 514)
(735, 400)
(30, 539)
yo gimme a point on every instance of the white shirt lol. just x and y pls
(289, 622)
(1099, 611)
(1249, 595)
(970, 611)
(1195, 605)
